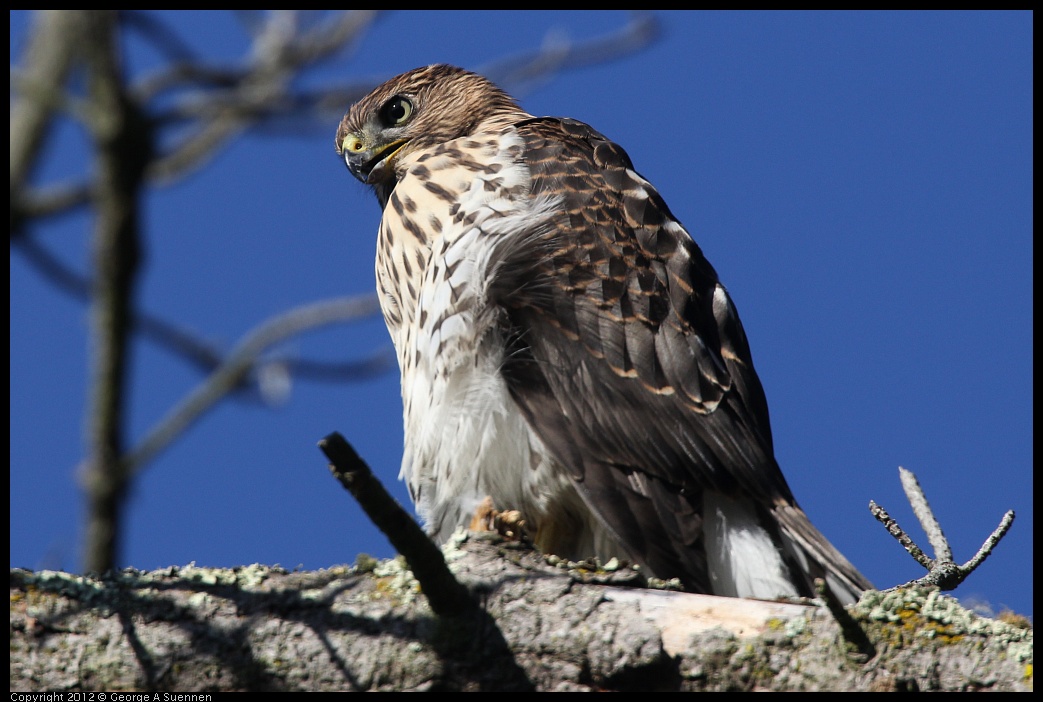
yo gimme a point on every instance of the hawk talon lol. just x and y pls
(509, 524)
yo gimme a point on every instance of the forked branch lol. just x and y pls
(942, 571)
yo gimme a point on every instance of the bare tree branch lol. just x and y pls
(243, 360)
(922, 510)
(219, 103)
(900, 535)
(48, 58)
(49, 201)
(558, 53)
(279, 54)
(942, 571)
(192, 347)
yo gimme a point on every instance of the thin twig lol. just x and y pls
(558, 53)
(990, 543)
(47, 59)
(903, 538)
(203, 355)
(240, 362)
(923, 512)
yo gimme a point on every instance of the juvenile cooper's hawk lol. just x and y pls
(566, 349)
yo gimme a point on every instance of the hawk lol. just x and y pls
(567, 350)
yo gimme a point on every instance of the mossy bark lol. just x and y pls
(542, 627)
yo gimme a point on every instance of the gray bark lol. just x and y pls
(541, 627)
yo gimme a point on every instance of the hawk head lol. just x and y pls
(414, 111)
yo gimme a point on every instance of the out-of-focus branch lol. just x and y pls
(559, 53)
(123, 144)
(279, 54)
(193, 348)
(48, 57)
(243, 360)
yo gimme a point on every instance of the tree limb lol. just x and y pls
(367, 628)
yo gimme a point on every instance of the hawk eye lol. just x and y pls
(396, 111)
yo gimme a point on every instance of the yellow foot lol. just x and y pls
(508, 524)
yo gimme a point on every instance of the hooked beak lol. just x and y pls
(370, 165)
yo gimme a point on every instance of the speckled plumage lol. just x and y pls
(566, 349)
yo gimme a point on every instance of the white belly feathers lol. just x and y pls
(464, 437)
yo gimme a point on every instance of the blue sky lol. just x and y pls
(861, 181)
